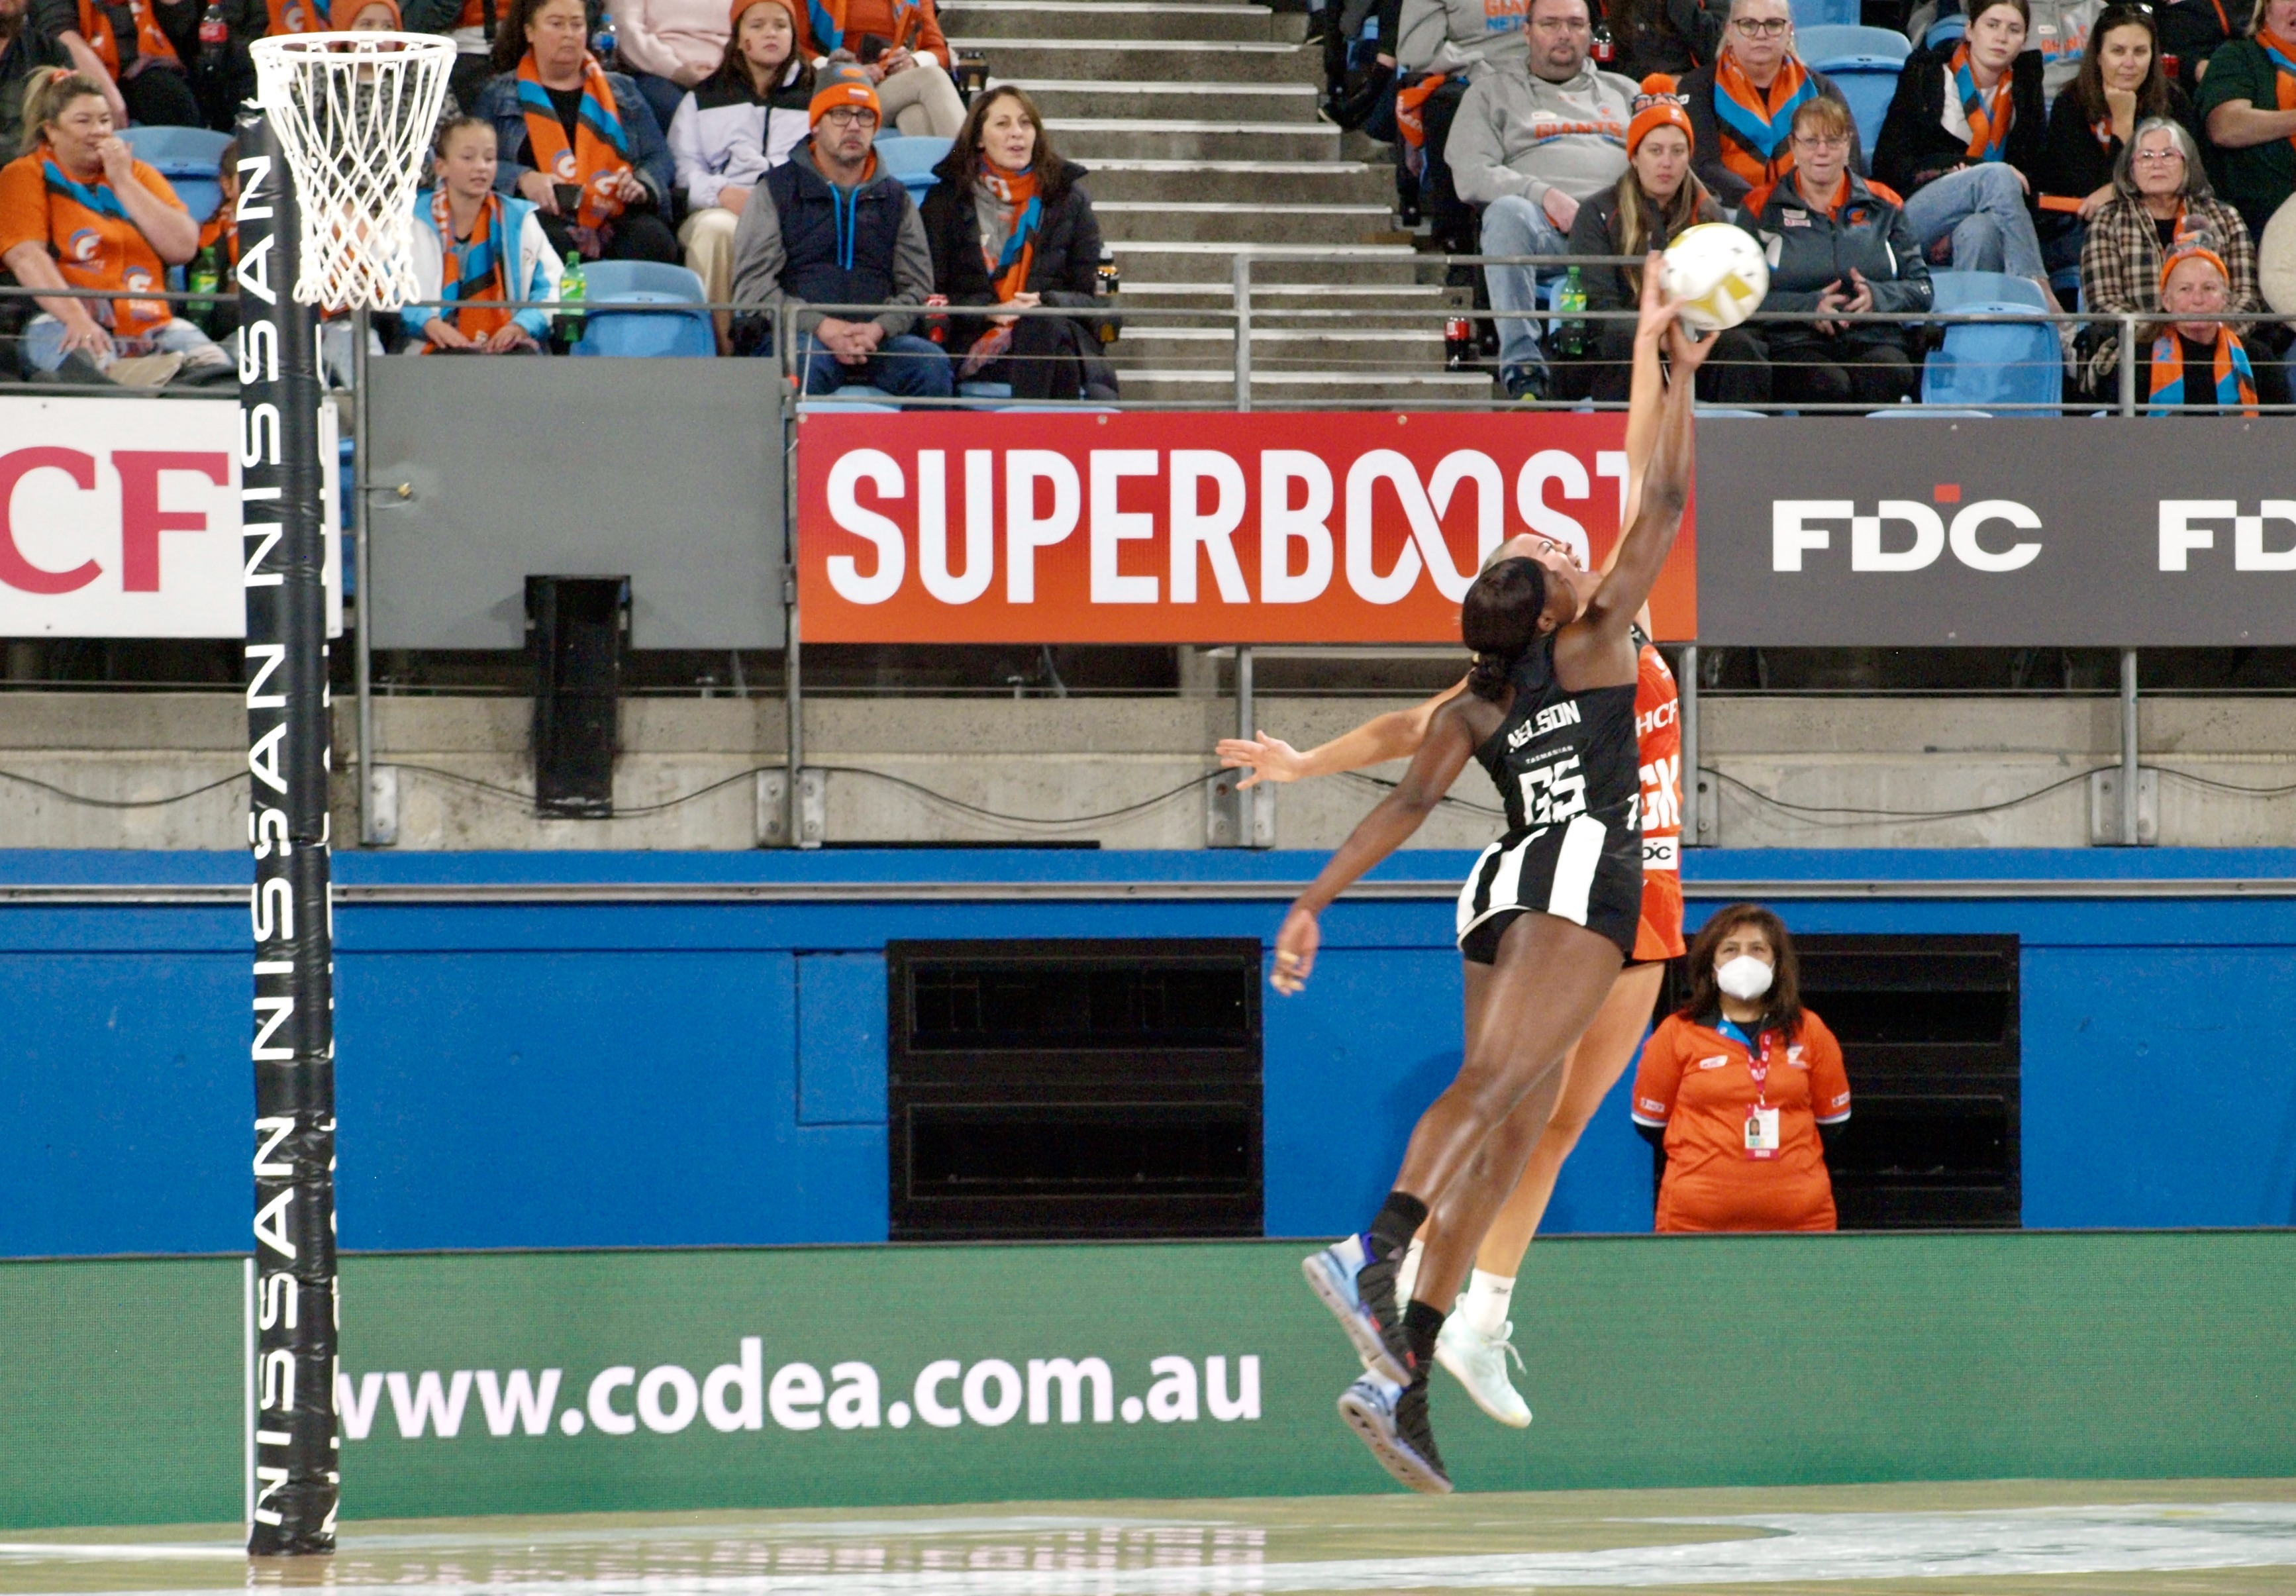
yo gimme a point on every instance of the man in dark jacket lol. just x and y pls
(828, 226)
(25, 46)
(1836, 244)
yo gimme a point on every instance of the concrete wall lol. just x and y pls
(463, 768)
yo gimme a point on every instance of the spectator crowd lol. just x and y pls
(2078, 145)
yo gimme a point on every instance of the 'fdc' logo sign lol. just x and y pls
(1905, 534)
(2184, 528)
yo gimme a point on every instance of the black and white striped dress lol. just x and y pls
(1567, 766)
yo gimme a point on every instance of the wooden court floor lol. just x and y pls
(2015, 1538)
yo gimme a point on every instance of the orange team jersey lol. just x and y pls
(150, 39)
(1658, 735)
(89, 233)
(1698, 1082)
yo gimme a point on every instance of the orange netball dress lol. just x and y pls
(1710, 1086)
(1658, 748)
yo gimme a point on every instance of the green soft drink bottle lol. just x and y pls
(1571, 301)
(573, 289)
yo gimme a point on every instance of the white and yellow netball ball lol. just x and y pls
(1718, 274)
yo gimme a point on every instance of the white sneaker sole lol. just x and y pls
(1409, 1468)
(1361, 1333)
(1517, 1417)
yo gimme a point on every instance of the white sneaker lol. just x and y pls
(1479, 1362)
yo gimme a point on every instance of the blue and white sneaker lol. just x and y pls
(1355, 1289)
(1391, 1420)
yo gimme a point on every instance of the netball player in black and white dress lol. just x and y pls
(1546, 920)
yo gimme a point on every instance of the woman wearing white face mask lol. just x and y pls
(1740, 1085)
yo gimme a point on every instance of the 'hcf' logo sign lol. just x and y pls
(1905, 534)
(2185, 526)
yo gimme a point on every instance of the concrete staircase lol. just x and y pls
(1199, 123)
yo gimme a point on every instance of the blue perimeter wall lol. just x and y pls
(587, 1076)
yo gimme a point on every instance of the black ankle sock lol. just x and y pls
(1398, 1221)
(1421, 1325)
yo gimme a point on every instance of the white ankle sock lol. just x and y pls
(1485, 1306)
(1406, 1273)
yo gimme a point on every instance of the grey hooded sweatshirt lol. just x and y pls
(1458, 36)
(1518, 134)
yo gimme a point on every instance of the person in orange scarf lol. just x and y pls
(80, 211)
(129, 49)
(1009, 223)
(2194, 366)
(1741, 103)
(1962, 141)
(474, 244)
(577, 142)
(899, 43)
(2248, 100)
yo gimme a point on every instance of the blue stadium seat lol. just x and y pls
(656, 333)
(1985, 290)
(1822, 14)
(1945, 31)
(856, 397)
(1926, 412)
(1869, 83)
(189, 158)
(2012, 366)
(911, 159)
(984, 390)
(1824, 46)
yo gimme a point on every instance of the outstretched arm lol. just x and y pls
(1450, 743)
(1395, 735)
(1642, 550)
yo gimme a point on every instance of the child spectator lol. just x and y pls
(471, 243)
(899, 46)
(1741, 1086)
(827, 225)
(1531, 142)
(1965, 129)
(1009, 223)
(79, 210)
(1741, 103)
(2120, 84)
(747, 116)
(577, 142)
(2194, 365)
(2160, 193)
(1656, 197)
(2248, 100)
(1836, 243)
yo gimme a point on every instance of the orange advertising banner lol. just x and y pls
(1201, 527)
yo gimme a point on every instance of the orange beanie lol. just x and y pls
(842, 83)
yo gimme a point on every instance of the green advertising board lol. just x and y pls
(559, 1382)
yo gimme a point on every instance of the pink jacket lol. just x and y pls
(683, 40)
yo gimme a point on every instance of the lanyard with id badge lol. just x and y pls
(1761, 1118)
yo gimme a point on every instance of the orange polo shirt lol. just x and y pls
(1698, 1082)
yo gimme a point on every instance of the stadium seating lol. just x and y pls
(2014, 367)
(648, 333)
(911, 159)
(1820, 13)
(1864, 64)
(189, 158)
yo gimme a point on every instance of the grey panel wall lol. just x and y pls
(667, 471)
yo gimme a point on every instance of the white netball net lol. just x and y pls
(355, 114)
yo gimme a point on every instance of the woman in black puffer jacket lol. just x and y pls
(1009, 223)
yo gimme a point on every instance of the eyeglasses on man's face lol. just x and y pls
(1763, 28)
(850, 116)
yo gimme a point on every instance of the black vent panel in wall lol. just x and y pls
(1067, 1090)
(1929, 1032)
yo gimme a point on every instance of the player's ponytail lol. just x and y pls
(1499, 621)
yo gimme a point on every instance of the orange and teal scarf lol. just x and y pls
(601, 150)
(1758, 127)
(1008, 208)
(471, 268)
(1989, 111)
(2236, 379)
(2282, 53)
